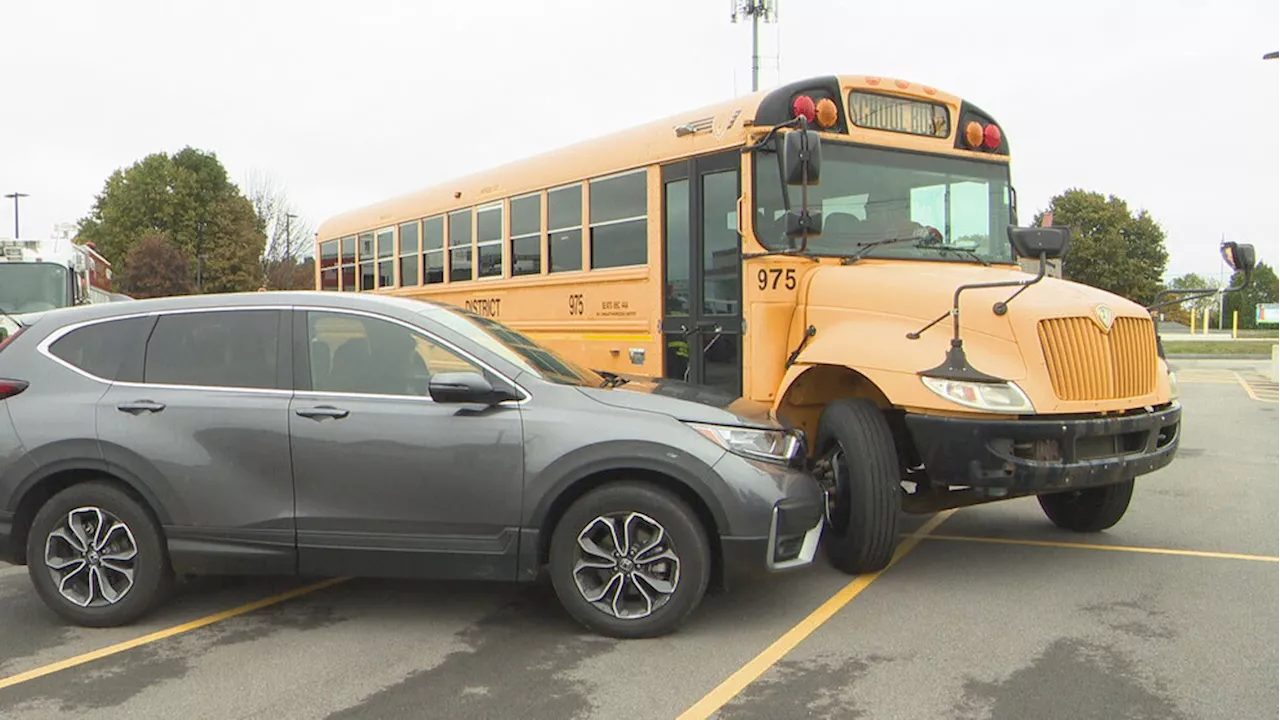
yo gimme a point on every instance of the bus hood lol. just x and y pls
(923, 291)
(683, 401)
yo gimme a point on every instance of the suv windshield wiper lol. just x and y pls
(611, 379)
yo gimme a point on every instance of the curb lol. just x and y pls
(1251, 358)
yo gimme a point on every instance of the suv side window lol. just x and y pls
(224, 348)
(359, 354)
(100, 349)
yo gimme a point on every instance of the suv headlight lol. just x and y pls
(1005, 397)
(776, 446)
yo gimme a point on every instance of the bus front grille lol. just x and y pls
(1086, 363)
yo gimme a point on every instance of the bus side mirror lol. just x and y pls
(1033, 242)
(1239, 256)
(802, 157)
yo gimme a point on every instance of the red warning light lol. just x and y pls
(804, 106)
(991, 137)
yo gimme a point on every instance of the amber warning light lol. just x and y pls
(823, 113)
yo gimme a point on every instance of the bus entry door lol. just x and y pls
(702, 266)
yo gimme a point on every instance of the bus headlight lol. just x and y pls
(1173, 385)
(776, 446)
(1004, 397)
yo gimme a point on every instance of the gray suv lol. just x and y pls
(364, 435)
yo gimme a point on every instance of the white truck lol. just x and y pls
(38, 275)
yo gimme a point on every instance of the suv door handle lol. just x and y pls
(322, 411)
(140, 406)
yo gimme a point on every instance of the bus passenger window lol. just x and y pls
(409, 262)
(433, 250)
(564, 226)
(619, 221)
(526, 235)
(460, 246)
(489, 241)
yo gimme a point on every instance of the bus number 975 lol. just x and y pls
(767, 278)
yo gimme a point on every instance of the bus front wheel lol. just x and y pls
(859, 464)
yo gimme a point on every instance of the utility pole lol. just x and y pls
(16, 196)
(756, 10)
(288, 239)
(288, 251)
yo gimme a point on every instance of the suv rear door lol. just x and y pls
(200, 415)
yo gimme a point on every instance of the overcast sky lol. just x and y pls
(1165, 103)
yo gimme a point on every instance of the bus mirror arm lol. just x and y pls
(1239, 257)
(956, 365)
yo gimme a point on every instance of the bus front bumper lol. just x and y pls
(1046, 454)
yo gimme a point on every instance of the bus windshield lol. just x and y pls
(868, 195)
(516, 348)
(33, 287)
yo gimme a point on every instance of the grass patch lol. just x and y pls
(1226, 349)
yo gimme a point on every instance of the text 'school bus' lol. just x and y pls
(844, 248)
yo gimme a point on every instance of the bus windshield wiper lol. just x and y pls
(958, 250)
(865, 247)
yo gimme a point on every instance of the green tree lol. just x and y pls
(1111, 248)
(1263, 289)
(155, 268)
(188, 199)
(1182, 311)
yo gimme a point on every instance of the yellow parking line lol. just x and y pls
(1261, 390)
(162, 634)
(1115, 548)
(756, 667)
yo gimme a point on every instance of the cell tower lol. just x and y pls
(757, 10)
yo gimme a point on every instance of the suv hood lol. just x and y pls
(683, 401)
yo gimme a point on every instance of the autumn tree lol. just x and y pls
(1111, 248)
(290, 236)
(188, 199)
(155, 268)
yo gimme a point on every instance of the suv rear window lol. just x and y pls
(100, 349)
(225, 348)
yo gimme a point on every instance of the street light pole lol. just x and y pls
(16, 195)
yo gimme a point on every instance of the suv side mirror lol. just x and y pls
(1239, 256)
(464, 387)
(1032, 242)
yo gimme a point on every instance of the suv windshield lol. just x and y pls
(869, 195)
(33, 287)
(516, 348)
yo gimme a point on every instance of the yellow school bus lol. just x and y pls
(843, 248)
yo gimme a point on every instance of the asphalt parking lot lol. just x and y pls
(992, 614)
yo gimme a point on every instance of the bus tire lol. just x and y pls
(662, 573)
(855, 439)
(1090, 510)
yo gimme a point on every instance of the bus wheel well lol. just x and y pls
(586, 484)
(802, 403)
(40, 493)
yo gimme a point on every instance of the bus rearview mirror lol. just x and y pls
(1239, 256)
(1033, 242)
(801, 157)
